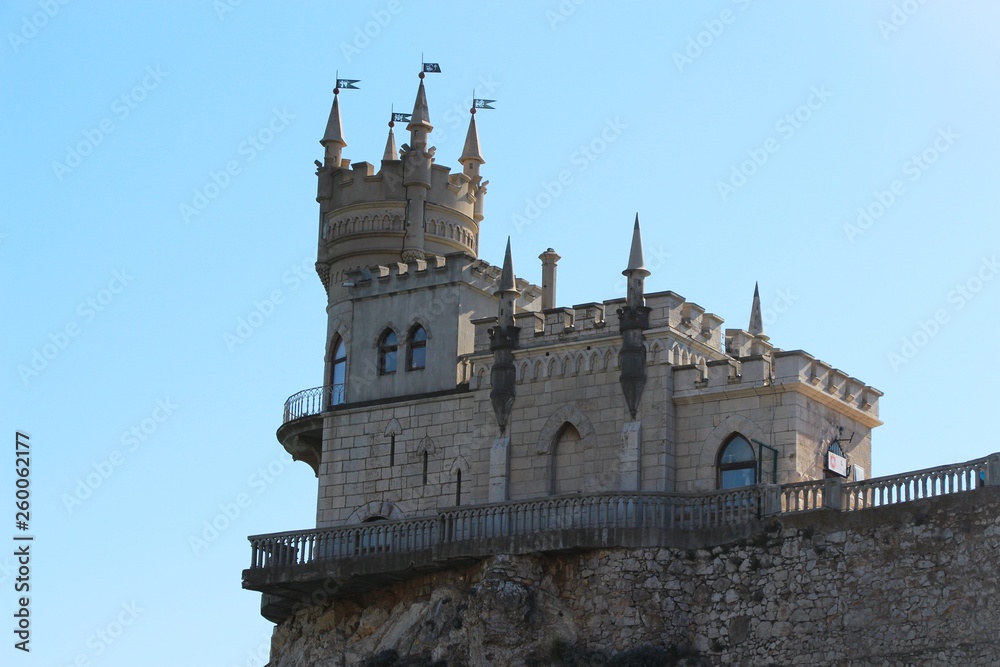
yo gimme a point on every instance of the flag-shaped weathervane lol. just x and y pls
(482, 104)
(401, 117)
(432, 68)
(347, 84)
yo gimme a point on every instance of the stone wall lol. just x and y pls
(911, 584)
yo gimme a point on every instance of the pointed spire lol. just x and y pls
(390, 146)
(635, 260)
(421, 116)
(507, 282)
(333, 138)
(470, 152)
(756, 327)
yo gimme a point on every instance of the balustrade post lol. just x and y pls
(772, 499)
(833, 497)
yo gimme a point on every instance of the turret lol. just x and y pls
(504, 339)
(633, 320)
(333, 139)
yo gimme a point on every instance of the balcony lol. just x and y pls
(301, 431)
(297, 566)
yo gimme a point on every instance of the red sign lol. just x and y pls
(836, 464)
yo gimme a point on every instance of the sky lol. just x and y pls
(160, 225)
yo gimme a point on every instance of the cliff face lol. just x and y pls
(904, 585)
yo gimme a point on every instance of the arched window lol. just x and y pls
(387, 353)
(416, 349)
(338, 376)
(567, 461)
(737, 463)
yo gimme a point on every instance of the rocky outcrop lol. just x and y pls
(915, 584)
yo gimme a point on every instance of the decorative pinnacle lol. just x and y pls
(756, 327)
(334, 131)
(507, 283)
(390, 145)
(421, 116)
(636, 263)
(470, 152)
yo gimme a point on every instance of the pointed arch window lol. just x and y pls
(737, 464)
(387, 348)
(338, 374)
(416, 349)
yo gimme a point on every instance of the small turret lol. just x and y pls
(633, 320)
(504, 339)
(417, 161)
(390, 145)
(471, 156)
(333, 139)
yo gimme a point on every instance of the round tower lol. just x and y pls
(411, 210)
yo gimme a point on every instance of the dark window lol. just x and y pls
(458, 487)
(425, 467)
(417, 349)
(338, 378)
(737, 464)
(387, 353)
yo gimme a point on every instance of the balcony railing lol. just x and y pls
(598, 518)
(313, 402)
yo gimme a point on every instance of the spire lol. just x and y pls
(333, 138)
(635, 260)
(507, 283)
(756, 327)
(421, 116)
(390, 145)
(470, 152)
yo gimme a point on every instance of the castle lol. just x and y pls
(466, 419)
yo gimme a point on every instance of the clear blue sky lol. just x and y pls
(117, 115)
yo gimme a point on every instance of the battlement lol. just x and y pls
(435, 271)
(794, 370)
(686, 322)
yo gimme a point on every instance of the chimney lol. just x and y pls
(549, 259)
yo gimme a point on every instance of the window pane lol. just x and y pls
(419, 335)
(418, 357)
(732, 479)
(339, 372)
(389, 361)
(390, 339)
(737, 450)
(340, 352)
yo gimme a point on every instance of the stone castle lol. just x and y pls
(503, 480)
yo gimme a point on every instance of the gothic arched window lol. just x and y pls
(338, 375)
(737, 464)
(387, 353)
(416, 349)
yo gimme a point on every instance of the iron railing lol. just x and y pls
(313, 402)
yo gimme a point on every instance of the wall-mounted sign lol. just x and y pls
(836, 464)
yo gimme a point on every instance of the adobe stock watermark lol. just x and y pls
(32, 25)
(786, 127)
(86, 312)
(258, 656)
(901, 14)
(131, 440)
(263, 309)
(704, 39)
(363, 35)
(956, 299)
(213, 527)
(247, 151)
(913, 169)
(224, 7)
(655, 258)
(456, 116)
(103, 638)
(121, 108)
(563, 10)
(580, 160)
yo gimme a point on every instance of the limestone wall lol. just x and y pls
(913, 584)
